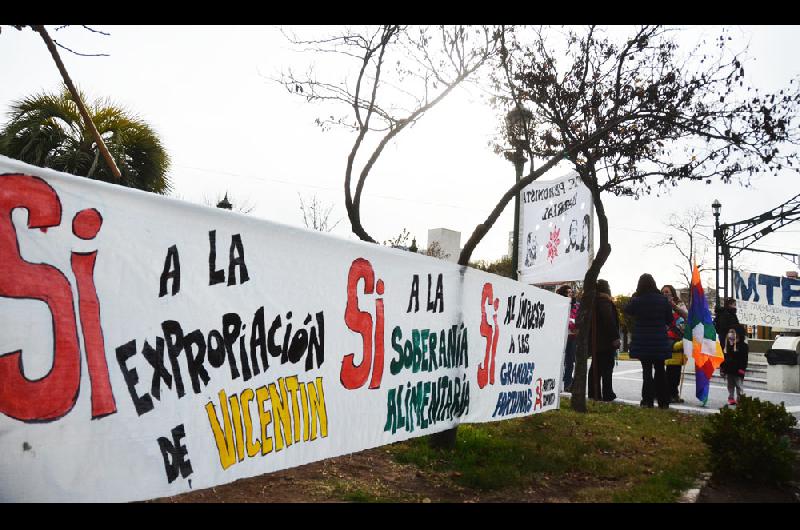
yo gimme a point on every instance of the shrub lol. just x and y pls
(751, 442)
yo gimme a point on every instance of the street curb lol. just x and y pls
(690, 495)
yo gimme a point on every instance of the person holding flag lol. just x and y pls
(700, 338)
(675, 334)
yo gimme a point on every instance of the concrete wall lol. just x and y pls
(759, 345)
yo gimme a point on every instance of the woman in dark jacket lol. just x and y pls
(604, 341)
(650, 343)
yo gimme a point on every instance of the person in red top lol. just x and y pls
(675, 333)
(572, 335)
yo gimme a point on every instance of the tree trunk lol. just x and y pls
(444, 439)
(447, 439)
(585, 314)
(76, 97)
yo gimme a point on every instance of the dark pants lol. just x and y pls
(673, 380)
(654, 388)
(569, 359)
(605, 368)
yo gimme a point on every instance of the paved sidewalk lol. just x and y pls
(628, 387)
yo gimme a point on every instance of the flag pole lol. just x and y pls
(683, 367)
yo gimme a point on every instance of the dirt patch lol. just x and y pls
(374, 476)
(370, 475)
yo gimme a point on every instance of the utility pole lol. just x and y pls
(519, 163)
(715, 206)
(517, 125)
(76, 98)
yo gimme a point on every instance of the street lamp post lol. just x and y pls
(517, 121)
(726, 267)
(715, 206)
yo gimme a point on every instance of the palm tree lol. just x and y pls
(47, 130)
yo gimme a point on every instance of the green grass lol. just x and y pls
(615, 453)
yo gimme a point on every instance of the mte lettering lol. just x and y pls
(755, 285)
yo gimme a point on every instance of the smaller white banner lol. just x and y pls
(556, 230)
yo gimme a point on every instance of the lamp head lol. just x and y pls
(518, 120)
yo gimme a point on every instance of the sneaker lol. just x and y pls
(731, 401)
(663, 405)
(646, 404)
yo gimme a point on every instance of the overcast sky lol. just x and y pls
(227, 127)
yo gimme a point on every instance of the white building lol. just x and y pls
(448, 242)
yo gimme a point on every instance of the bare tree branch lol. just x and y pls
(402, 72)
(316, 216)
(685, 236)
(79, 53)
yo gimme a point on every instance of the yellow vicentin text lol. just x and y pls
(292, 404)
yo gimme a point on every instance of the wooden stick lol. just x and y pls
(683, 369)
(76, 97)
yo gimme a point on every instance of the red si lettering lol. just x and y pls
(486, 369)
(53, 395)
(538, 403)
(352, 375)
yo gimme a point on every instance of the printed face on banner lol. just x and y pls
(206, 346)
(766, 300)
(555, 231)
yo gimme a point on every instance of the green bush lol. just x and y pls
(751, 442)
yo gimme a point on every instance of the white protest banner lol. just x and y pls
(556, 235)
(149, 347)
(766, 300)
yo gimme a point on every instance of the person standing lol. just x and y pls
(572, 335)
(734, 367)
(726, 319)
(650, 344)
(604, 338)
(675, 334)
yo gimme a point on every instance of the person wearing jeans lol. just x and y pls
(572, 335)
(650, 344)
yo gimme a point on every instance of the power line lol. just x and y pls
(328, 188)
(637, 230)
